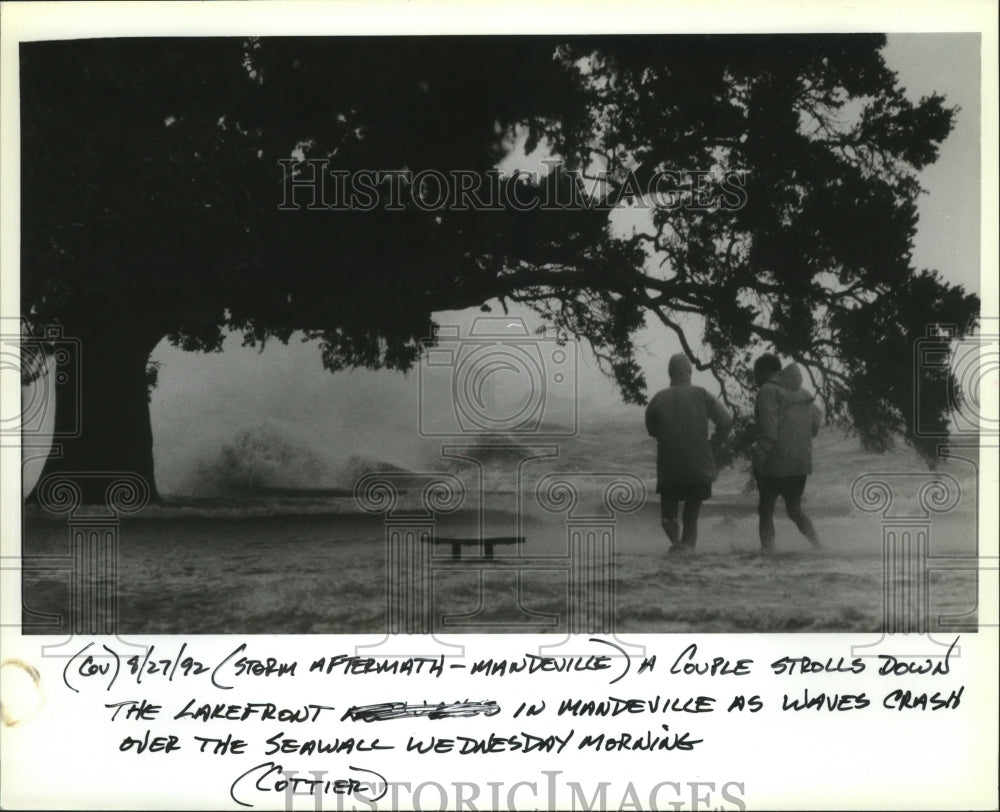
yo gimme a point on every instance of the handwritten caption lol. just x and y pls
(616, 702)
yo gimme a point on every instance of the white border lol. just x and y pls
(827, 770)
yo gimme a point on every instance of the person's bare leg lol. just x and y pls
(803, 522)
(765, 511)
(668, 521)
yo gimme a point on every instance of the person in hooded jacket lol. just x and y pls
(787, 420)
(678, 417)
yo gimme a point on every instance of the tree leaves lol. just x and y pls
(151, 192)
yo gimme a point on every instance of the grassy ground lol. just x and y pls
(295, 561)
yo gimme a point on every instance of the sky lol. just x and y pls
(948, 238)
(203, 401)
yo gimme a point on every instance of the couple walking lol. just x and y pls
(679, 416)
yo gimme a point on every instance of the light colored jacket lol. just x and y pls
(678, 418)
(787, 420)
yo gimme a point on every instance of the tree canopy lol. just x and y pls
(152, 190)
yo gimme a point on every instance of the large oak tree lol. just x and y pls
(151, 186)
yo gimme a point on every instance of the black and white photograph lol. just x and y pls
(624, 331)
(289, 288)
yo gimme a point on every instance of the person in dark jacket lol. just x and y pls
(787, 420)
(678, 417)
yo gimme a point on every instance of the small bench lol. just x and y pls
(488, 544)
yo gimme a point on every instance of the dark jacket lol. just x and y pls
(678, 418)
(787, 420)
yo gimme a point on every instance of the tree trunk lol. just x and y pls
(101, 407)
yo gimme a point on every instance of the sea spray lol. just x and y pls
(256, 459)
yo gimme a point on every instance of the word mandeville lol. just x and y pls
(615, 706)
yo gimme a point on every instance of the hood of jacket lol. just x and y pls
(790, 380)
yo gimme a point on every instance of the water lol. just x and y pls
(270, 539)
(316, 566)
